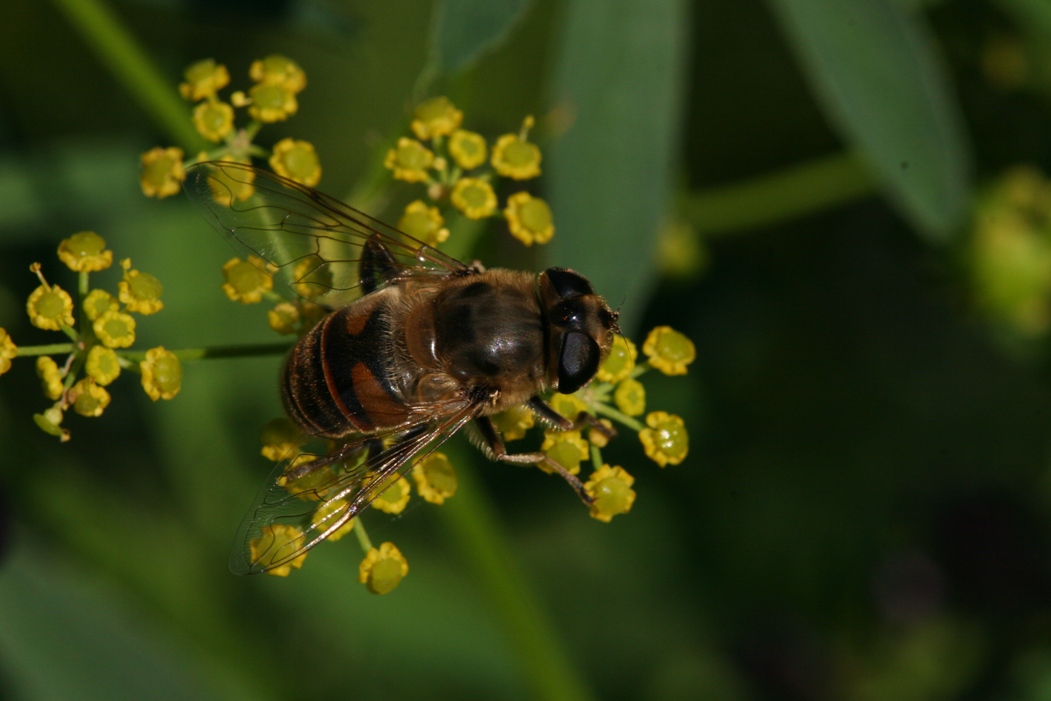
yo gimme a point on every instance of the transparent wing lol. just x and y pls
(310, 498)
(316, 240)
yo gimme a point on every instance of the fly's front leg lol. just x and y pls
(539, 407)
(496, 445)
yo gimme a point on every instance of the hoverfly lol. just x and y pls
(415, 346)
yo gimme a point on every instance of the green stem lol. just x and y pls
(51, 349)
(244, 351)
(771, 198)
(473, 523)
(362, 535)
(118, 50)
(606, 410)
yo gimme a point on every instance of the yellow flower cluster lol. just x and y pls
(99, 335)
(449, 159)
(277, 81)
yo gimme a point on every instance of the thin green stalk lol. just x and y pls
(49, 349)
(118, 50)
(472, 521)
(771, 198)
(235, 351)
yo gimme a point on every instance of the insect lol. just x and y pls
(416, 345)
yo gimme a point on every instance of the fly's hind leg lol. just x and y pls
(539, 407)
(495, 444)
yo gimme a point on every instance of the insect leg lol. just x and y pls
(496, 444)
(539, 407)
(378, 265)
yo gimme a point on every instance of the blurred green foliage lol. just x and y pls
(864, 512)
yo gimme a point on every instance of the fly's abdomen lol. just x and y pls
(337, 380)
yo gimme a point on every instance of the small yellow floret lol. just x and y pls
(620, 361)
(8, 351)
(474, 197)
(280, 70)
(666, 441)
(85, 252)
(140, 292)
(281, 439)
(610, 487)
(161, 373)
(435, 478)
(204, 79)
(213, 119)
(271, 102)
(115, 329)
(630, 397)
(383, 569)
(50, 377)
(435, 117)
(514, 422)
(50, 308)
(514, 157)
(394, 497)
(424, 223)
(162, 172)
(88, 398)
(274, 544)
(102, 365)
(467, 149)
(246, 280)
(409, 160)
(529, 218)
(328, 514)
(296, 160)
(668, 350)
(566, 448)
(98, 302)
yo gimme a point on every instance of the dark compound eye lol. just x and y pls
(568, 283)
(577, 363)
(569, 314)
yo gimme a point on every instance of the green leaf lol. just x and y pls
(465, 29)
(619, 84)
(878, 75)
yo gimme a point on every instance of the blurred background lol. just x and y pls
(842, 204)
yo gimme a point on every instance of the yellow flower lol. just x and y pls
(597, 438)
(435, 117)
(98, 302)
(514, 422)
(283, 318)
(101, 365)
(50, 308)
(423, 223)
(668, 350)
(85, 252)
(296, 160)
(140, 292)
(115, 329)
(529, 218)
(620, 361)
(610, 487)
(50, 422)
(275, 543)
(161, 373)
(630, 397)
(312, 278)
(474, 197)
(227, 185)
(213, 119)
(467, 149)
(271, 102)
(281, 439)
(665, 441)
(50, 377)
(328, 513)
(162, 172)
(566, 448)
(567, 405)
(514, 157)
(279, 70)
(383, 569)
(409, 160)
(88, 398)
(394, 497)
(246, 280)
(435, 478)
(8, 350)
(204, 79)
(309, 486)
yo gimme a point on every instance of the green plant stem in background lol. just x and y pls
(779, 196)
(235, 351)
(471, 519)
(118, 50)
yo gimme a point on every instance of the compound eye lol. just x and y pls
(569, 314)
(577, 363)
(568, 283)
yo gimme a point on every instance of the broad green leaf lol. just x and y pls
(464, 29)
(877, 73)
(618, 84)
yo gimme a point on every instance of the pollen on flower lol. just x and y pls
(435, 478)
(98, 302)
(213, 119)
(279, 70)
(467, 149)
(665, 441)
(204, 79)
(246, 280)
(140, 292)
(394, 497)
(115, 329)
(610, 489)
(514, 422)
(50, 308)
(162, 172)
(161, 374)
(668, 350)
(328, 514)
(630, 396)
(474, 197)
(102, 365)
(514, 157)
(529, 218)
(272, 102)
(50, 377)
(620, 361)
(273, 545)
(88, 398)
(281, 439)
(409, 160)
(296, 160)
(424, 223)
(85, 252)
(566, 448)
(383, 569)
(435, 117)
(8, 350)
